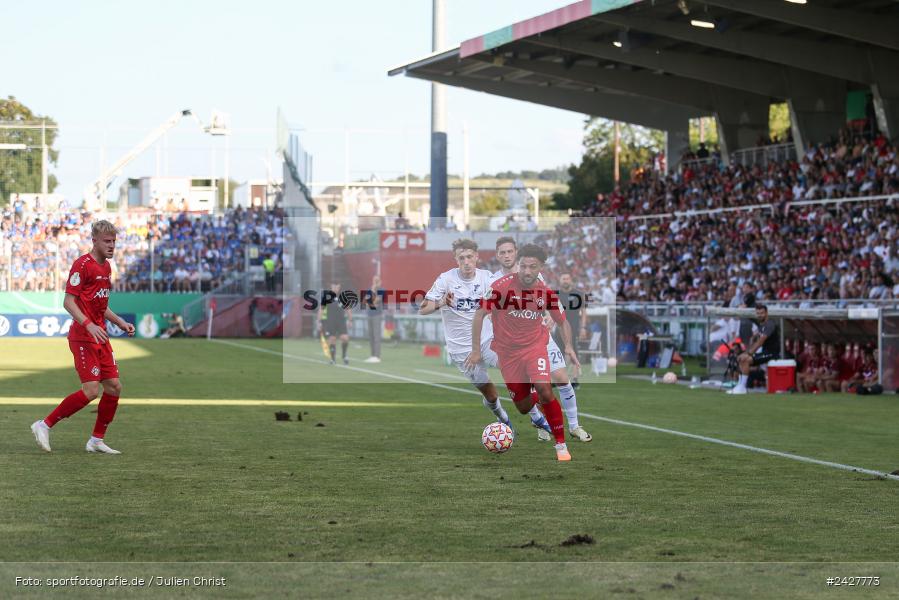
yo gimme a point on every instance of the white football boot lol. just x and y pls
(98, 445)
(580, 433)
(41, 434)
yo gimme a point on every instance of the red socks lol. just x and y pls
(105, 414)
(553, 414)
(68, 407)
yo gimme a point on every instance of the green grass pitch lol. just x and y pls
(383, 489)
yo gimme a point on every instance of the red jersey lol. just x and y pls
(517, 313)
(812, 363)
(847, 369)
(830, 365)
(89, 283)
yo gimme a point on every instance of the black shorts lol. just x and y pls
(334, 329)
(763, 358)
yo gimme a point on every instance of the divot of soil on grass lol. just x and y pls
(578, 539)
(531, 544)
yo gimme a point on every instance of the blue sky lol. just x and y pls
(110, 72)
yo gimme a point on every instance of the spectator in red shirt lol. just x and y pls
(829, 374)
(808, 376)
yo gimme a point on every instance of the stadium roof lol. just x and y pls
(660, 62)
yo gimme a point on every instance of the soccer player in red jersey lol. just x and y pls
(516, 303)
(87, 300)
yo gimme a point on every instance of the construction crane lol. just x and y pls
(95, 193)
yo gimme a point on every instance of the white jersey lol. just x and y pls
(457, 319)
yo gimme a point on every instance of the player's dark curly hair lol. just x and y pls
(532, 251)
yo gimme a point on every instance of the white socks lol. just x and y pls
(535, 415)
(497, 410)
(744, 379)
(569, 404)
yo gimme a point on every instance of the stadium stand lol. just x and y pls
(191, 252)
(822, 228)
(850, 166)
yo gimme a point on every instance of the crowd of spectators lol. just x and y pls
(37, 238)
(191, 252)
(790, 251)
(196, 252)
(850, 166)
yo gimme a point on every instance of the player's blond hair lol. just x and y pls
(102, 228)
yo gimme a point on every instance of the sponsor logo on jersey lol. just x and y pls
(467, 304)
(75, 279)
(526, 314)
(104, 293)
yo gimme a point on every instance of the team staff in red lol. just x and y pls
(516, 302)
(87, 300)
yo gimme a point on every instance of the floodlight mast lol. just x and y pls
(95, 193)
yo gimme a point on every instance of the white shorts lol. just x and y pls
(478, 375)
(556, 358)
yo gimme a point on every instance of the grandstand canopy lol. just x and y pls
(659, 63)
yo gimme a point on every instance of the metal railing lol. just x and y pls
(761, 155)
(754, 207)
(700, 309)
(700, 162)
(227, 294)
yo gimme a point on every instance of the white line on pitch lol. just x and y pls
(213, 402)
(702, 438)
(805, 459)
(357, 369)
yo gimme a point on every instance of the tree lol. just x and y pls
(779, 122)
(638, 144)
(489, 204)
(710, 132)
(20, 170)
(585, 180)
(595, 174)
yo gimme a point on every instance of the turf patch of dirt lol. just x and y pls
(578, 539)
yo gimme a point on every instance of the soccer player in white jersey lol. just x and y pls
(456, 294)
(507, 256)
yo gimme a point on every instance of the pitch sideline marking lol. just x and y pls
(211, 402)
(702, 438)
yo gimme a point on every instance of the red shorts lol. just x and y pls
(522, 369)
(94, 362)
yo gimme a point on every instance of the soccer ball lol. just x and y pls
(497, 437)
(669, 377)
(613, 362)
